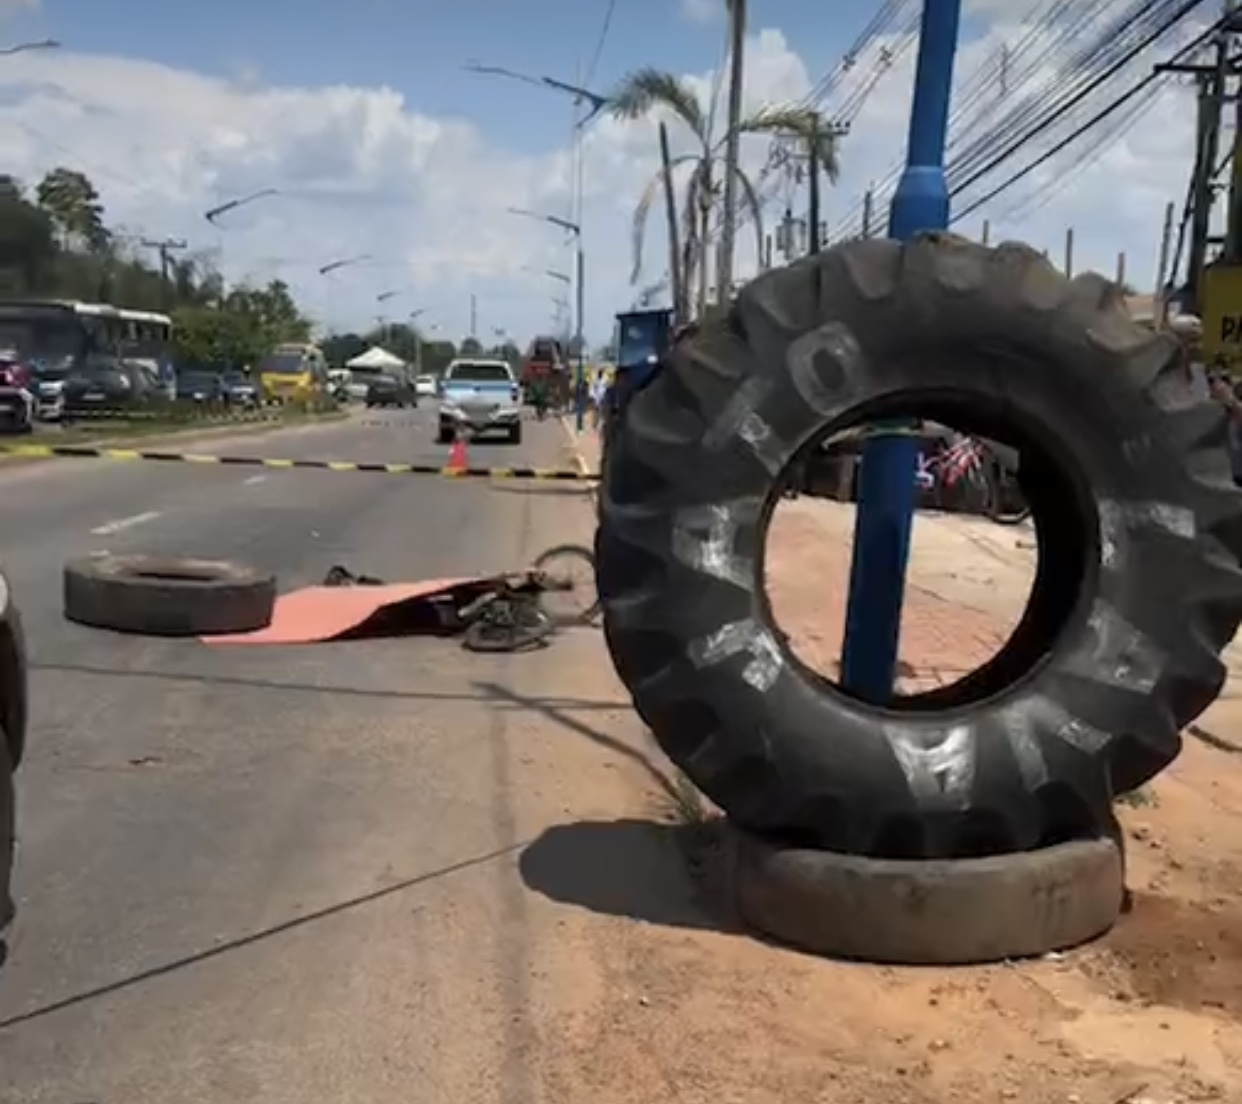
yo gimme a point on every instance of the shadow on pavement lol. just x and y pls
(669, 874)
(550, 489)
(558, 711)
(305, 920)
(320, 688)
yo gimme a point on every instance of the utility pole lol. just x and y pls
(1233, 232)
(1162, 263)
(737, 40)
(1211, 80)
(868, 213)
(785, 236)
(474, 315)
(165, 248)
(816, 232)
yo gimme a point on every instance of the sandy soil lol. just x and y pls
(657, 995)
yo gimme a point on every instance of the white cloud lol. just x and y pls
(703, 12)
(361, 171)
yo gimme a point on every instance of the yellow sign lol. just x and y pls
(1222, 313)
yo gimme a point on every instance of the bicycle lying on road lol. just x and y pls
(513, 612)
(520, 611)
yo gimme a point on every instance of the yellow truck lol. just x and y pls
(1222, 316)
(293, 373)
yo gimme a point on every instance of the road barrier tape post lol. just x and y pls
(86, 452)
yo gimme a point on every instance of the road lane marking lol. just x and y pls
(254, 480)
(122, 524)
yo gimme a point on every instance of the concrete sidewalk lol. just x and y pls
(966, 588)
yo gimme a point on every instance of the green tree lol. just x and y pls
(437, 355)
(73, 204)
(471, 347)
(58, 245)
(647, 91)
(211, 338)
(270, 313)
(27, 241)
(341, 348)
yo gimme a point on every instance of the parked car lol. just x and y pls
(49, 387)
(425, 386)
(108, 384)
(200, 388)
(390, 391)
(16, 398)
(13, 709)
(240, 391)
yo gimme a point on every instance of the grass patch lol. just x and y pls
(1137, 799)
(106, 429)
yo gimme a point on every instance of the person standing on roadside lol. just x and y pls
(599, 398)
(1226, 392)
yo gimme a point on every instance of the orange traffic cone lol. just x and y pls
(457, 458)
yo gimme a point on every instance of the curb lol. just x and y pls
(572, 434)
(14, 457)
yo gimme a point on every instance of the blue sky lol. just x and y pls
(361, 114)
(418, 47)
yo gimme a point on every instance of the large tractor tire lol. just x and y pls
(1138, 587)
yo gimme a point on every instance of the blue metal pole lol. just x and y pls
(580, 387)
(886, 487)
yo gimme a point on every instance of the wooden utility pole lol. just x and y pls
(1211, 81)
(1166, 249)
(1069, 252)
(868, 213)
(1233, 231)
(681, 305)
(165, 248)
(737, 44)
(812, 215)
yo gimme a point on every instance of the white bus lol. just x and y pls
(57, 336)
(144, 337)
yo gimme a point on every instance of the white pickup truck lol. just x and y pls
(480, 396)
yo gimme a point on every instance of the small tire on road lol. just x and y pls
(515, 434)
(1139, 527)
(940, 912)
(8, 838)
(14, 680)
(159, 596)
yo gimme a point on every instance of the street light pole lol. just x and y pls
(584, 96)
(418, 341)
(233, 204)
(27, 47)
(886, 488)
(345, 262)
(580, 305)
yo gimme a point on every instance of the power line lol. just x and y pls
(599, 43)
(1147, 40)
(1084, 73)
(1012, 69)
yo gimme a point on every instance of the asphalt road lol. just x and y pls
(230, 859)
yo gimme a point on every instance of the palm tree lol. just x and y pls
(649, 90)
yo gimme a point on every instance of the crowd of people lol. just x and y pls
(1211, 380)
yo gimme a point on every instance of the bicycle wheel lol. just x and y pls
(568, 592)
(508, 626)
(1005, 502)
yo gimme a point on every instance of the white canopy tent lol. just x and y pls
(376, 360)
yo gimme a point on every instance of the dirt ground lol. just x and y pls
(658, 995)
